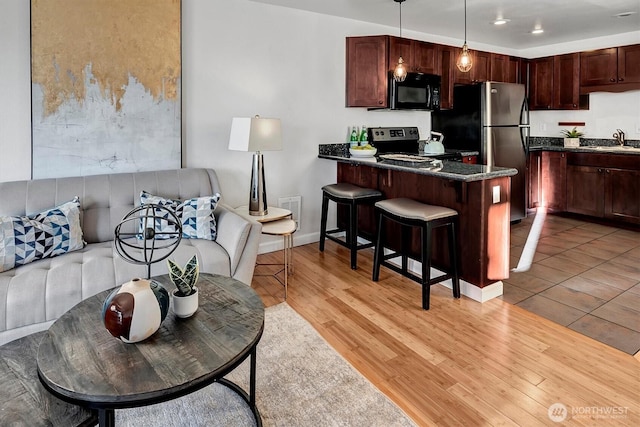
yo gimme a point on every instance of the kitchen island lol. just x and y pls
(479, 193)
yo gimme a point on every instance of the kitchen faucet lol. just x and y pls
(619, 136)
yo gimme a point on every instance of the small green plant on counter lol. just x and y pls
(573, 133)
(185, 280)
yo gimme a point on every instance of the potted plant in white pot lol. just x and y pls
(185, 297)
(572, 137)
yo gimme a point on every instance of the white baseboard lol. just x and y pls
(467, 289)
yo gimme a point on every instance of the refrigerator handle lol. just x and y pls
(524, 126)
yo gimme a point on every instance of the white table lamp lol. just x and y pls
(256, 134)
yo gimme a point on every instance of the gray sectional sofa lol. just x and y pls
(34, 295)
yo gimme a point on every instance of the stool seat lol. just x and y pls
(352, 196)
(409, 208)
(344, 190)
(409, 214)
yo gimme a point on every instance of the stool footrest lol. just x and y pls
(346, 245)
(415, 277)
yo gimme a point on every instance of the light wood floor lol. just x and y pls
(461, 363)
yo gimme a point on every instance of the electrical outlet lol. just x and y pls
(496, 194)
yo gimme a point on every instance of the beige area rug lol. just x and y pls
(301, 381)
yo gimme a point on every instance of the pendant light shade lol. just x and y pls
(465, 62)
(400, 72)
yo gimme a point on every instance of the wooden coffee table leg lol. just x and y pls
(106, 417)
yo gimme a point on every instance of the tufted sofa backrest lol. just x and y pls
(104, 199)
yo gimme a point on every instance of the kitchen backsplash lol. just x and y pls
(543, 141)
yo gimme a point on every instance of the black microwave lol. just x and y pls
(417, 91)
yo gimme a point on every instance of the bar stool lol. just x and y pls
(410, 213)
(352, 196)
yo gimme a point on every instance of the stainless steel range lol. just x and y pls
(402, 140)
(395, 140)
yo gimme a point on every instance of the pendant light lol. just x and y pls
(400, 72)
(465, 62)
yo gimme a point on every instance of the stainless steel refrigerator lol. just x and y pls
(493, 119)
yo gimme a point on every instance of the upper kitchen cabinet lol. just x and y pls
(451, 76)
(554, 83)
(566, 82)
(419, 56)
(505, 68)
(366, 84)
(614, 69)
(370, 58)
(480, 71)
(541, 83)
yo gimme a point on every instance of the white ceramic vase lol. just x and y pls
(185, 306)
(572, 142)
(134, 311)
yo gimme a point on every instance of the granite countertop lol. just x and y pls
(589, 149)
(456, 171)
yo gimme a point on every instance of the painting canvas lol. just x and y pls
(106, 78)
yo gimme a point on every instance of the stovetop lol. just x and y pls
(402, 140)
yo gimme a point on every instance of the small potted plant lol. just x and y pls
(572, 137)
(185, 296)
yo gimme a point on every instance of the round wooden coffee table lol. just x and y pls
(79, 360)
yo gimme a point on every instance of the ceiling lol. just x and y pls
(562, 20)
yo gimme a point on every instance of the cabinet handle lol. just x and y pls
(612, 80)
(620, 79)
(608, 171)
(599, 170)
(574, 105)
(380, 102)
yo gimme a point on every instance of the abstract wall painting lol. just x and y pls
(106, 80)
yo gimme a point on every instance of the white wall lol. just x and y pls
(242, 58)
(607, 112)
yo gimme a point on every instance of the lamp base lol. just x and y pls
(257, 191)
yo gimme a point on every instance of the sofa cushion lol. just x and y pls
(24, 239)
(195, 215)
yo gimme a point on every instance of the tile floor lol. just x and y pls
(583, 275)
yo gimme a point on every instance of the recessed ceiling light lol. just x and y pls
(623, 14)
(500, 21)
(537, 31)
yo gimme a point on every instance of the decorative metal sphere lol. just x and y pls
(147, 234)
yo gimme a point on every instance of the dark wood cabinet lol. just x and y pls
(585, 190)
(419, 56)
(367, 66)
(566, 82)
(604, 186)
(548, 180)
(555, 83)
(505, 68)
(370, 58)
(613, 69)
(480, 71)
(541, 83)
(622, 194)
(447, 64)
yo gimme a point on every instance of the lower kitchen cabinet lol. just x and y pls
(604, 186)
(622, 194)
(548, 180)
(585, 190)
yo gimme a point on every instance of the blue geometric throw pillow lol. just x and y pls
(195, 215)
(24, 239)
